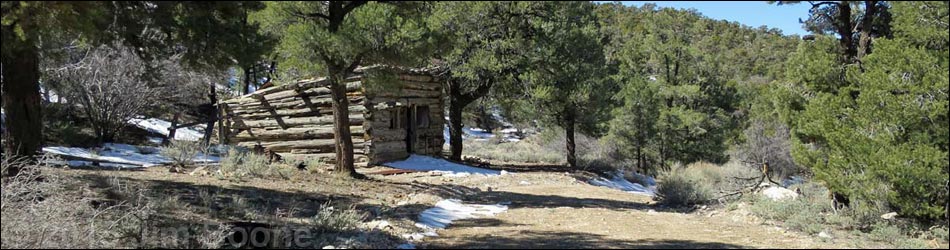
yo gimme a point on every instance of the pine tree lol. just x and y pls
(565, 83)
(198, 30)
(485, 43)
(334, 38)
(878, 131)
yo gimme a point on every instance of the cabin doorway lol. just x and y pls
(409, 119)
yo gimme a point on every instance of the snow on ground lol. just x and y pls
(160, 126)
(479, 134)
(450, 210)
(617, 181)
(444, 213)
(436, 165)
(120, 155)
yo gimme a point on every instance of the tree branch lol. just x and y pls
(819, 4)
(351, 6)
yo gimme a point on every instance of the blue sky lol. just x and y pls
(751, 13)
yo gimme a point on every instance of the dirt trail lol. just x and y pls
(551, 210)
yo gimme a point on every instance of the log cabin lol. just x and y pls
(393, 112)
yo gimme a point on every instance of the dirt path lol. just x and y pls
(550, 211)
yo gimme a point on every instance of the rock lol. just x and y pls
(889, 216)
(503, 172)
(651, 211)
(329, 247)
(413, 236)
(824, 235)
(379, 224)
(200, 171)
(174, 169)
(524, 183)
(779, 193)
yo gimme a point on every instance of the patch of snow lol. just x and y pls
(509, 130)
(450, 210)
(160, 126)
(779, 193)
(121, 156)
(617, 181)
(155, 140)
(444, 213)
(477, 133)
(442, 166)
(649, 180)
(78, 163)
(508, 133)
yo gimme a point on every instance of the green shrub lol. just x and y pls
(182, 153)
(330, 219)
(683, 186)
(805, 222)
(910, 243)
(238, 163)
(885, 232)
(940, 233)
(810, 213)
(526, 151)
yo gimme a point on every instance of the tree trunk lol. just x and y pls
(172, 129)
(457, 103)
(455, 128)
(23, 132)
(212, 116)
(341, 123)
(640, 158)
(866, 25)
(845, 27)
(247, 80)
(569, 135)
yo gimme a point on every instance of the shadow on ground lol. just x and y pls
(521, 200)
(563, 240)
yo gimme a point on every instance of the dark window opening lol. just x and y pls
(396, 119)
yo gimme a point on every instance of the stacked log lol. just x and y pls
(295, 120)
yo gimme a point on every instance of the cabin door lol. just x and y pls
(409, 119)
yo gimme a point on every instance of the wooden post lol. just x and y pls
(212, 117)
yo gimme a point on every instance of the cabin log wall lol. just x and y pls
(296, 120)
